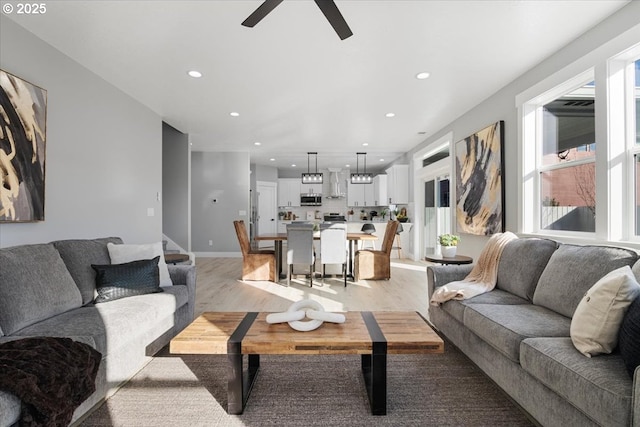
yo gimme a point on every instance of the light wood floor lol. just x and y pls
(219, 288)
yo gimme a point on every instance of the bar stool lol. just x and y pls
(368, 228)
(398, 241)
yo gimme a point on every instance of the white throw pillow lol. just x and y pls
(126, 253)
(597, 319)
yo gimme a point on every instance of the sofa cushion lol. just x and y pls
(34, 285)
(572, 270)
(596, 321)
(636, 270)
(521, 265)
(598, 386)
(116, 281)
(102, 326)
(629, 337)
(78, 255)
(496, 296)
(505, 326)
(125, 253)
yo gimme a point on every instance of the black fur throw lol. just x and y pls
(52, 377)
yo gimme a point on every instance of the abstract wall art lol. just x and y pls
(23, 122)
(479, 181)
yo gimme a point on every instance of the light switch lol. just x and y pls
(151, 212)
(242, 213)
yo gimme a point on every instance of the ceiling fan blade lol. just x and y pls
(333, 15)
(262, 11)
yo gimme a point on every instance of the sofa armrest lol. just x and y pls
(185, 275)
(635, 399)
(440, 275)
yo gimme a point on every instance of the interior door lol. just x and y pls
(267, 210)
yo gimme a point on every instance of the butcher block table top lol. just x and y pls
(405, 333)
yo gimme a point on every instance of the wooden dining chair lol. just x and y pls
(300, 248)
(256, 264)
(373, 264)
(333, 247)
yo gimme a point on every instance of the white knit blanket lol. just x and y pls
(483, 276)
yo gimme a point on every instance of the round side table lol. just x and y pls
(456, 260)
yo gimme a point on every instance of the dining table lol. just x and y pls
(278, 238)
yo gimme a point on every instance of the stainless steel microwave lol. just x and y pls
(311, 200)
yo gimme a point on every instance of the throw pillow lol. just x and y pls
(126, 253)
(596, 321)
(116, 281)
(629, 337)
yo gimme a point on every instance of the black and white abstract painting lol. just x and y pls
(479, 182)
(23, 119)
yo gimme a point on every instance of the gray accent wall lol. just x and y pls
(225, 178)
(175, 185)
(103, 150)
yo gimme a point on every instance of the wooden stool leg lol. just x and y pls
(399, 245)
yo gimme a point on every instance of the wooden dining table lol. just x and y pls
(278, 238)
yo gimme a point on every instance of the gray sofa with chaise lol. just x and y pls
(48, 290)
(519, 333)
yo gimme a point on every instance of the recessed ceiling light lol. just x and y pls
(234, 114)
(423, 75)
(390, 115)
(364, 144)
(293, 166)
(347, 166)
(272, 159)
(382, 160)
(195, 74)
(257, 143)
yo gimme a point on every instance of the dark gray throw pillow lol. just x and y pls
(116, 281)
(629, 337)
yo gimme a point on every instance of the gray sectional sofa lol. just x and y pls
(48, 289)
(518, 334)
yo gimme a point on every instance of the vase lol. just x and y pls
(449, 251)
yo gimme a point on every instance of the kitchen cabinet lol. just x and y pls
(398, 184)
(289, 192)
(360, 195)
(380, 197)
(310, 188)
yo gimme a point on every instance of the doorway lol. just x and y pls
(437, 211)
(267, 210)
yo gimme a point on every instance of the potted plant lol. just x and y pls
(449, 243)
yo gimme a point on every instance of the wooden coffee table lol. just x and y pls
(373, 335)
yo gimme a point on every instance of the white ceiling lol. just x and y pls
(296, 85)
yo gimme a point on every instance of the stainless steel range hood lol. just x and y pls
(336, 184)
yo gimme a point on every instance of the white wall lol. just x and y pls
(502, 105)
(103, 152)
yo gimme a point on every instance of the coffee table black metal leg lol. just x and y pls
(238, 386)
(374, 367)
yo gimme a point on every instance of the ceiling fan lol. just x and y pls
(328, 7)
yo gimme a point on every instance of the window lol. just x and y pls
(635, 149)
(566, 165)
(580, 151)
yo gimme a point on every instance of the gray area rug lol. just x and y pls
(438, 390)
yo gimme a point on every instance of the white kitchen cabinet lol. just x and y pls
(380, 197)
(360, 195)
(398, 184)
(310, 188)
(289, 192)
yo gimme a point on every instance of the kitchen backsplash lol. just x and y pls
(338, 206)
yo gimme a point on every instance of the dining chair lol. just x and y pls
(374, 264)
(256, 264)
(300, 248)
(333, 247)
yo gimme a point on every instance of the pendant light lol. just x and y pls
(364, 177)
(312, 178)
